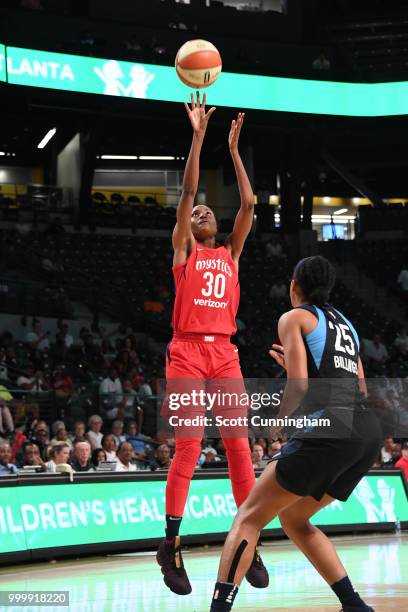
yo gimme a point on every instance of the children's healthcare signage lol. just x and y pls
(151, 82)
(42, 516)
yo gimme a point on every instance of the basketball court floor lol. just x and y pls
(377, 564)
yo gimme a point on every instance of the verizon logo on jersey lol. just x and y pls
(210, 303)
(214, 264)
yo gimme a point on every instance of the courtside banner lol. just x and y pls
(3, 73)
(152, 82)
(45, 516)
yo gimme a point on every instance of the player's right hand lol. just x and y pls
(197, 115)
(278, 354)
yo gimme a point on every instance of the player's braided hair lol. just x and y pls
(316, 277)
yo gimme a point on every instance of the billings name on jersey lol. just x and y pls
(345, 353)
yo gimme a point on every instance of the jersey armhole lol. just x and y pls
(320, 322)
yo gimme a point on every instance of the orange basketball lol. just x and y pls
(198, 63)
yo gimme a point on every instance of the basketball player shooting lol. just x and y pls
(206, 304)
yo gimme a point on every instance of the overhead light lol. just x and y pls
(2, 153)
(118, 156)
(47, 138)
(356, 200)
(326, 200)
(157, 157)
(341, 211)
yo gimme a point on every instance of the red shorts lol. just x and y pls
(203, 373)
(199, 356)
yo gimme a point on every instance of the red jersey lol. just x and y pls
(207, 292)
(402, 464)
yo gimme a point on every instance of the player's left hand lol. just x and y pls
(278, 354)
(235, 131)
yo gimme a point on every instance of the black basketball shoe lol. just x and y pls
(257, 574)
(357, 609)
(171, 562)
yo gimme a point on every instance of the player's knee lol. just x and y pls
(249, 516)
(290, 520)
(186, 456)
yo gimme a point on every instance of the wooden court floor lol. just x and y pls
(377, 565)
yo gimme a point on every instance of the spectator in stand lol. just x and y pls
(263, 443)
(78, 434)
(123, 362)
(125, 454)
(6, 467)
(132, 43)
(109, 446)
(98, 456)
(117, 432)
(57, 454)
(208, 455)
(278, 290)
(6, 420)
(127, 408)
(32, 5)
(62, 384)
(64, 330)
(3, 365)
(396, 453)
(30, 455)
(37, 340)
(401, 343)
(273, 448)
(81, 457)
(377, 354)
(403, 280)
(33, 381)
(143, 388)
(386, 451)
(321, 62)
(136, 440)
(11, 363)
(94, 435)
(110, 391)
(393, 382)
(220, 448)
(86, 39)
(41, 438)
(273, 249)
(162, 457)
(258, 460)
(61, 436)
(402, 463)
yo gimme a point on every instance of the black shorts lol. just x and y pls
(313, 466)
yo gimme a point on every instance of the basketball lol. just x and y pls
(198, 63)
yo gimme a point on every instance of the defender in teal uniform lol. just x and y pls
(315, 466)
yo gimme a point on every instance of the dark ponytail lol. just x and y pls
(316, 277)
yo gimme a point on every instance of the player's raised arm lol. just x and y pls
(183, 239)
(244, 218)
